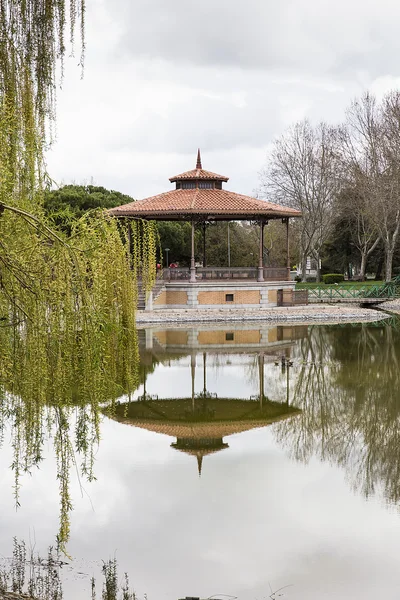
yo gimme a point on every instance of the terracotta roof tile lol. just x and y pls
(203, 202)
(200, 430)
(199, 174)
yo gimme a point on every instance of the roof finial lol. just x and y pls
(199, 463)
(198, 164)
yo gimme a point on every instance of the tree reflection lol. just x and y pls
(53, 387)
(347, 382)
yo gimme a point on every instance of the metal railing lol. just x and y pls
(226, 273)
(390, 289)
(292, 297)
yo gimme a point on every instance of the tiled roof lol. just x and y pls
(199, 174)
(203, 202)
(199, 430)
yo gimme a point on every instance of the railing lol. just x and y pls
(175, 274)
(292, 297)
(390, 289)
(276, 274)
(226, 273)
(216, 273)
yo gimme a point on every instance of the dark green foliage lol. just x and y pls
(71, 202)
(177, 237)
(244, 245)
(339, 251)
(243, 238)
(332, 278)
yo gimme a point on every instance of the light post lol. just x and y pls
(167, 250)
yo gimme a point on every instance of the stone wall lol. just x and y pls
(238, 297)
(221, 295)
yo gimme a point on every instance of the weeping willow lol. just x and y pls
(67, 305)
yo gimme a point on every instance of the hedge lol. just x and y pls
(333, 278)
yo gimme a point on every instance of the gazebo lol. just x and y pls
(199, 197)
(200, 422)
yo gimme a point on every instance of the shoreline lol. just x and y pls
(319, 313)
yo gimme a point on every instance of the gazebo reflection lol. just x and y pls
(200, 421)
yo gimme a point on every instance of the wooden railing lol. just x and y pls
(226, 273)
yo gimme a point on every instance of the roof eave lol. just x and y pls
(211, 215)
(195, 178)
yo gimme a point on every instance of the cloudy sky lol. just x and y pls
(165, 77)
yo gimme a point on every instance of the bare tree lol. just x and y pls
(388, 212)
(352, 212)
(370, 143)
(301, 172)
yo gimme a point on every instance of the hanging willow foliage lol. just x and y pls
(67, 306)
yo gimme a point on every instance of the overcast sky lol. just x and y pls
(165, 77)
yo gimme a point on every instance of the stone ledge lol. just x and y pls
(300, 314)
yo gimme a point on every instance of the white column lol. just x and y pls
(149, 301)
(149, 339)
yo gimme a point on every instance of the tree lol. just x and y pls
(354, 221)
(388, 204)
(71, 202)
(302, 172)
(176, 236)
(62, 301)
(243, 244)
(370, 143)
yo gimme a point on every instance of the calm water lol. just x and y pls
(249, 459)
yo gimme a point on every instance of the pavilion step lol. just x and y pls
(158, 287)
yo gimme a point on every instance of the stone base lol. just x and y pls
(225, 294)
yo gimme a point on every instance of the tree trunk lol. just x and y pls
(388, 264)
(304, 268)
(363, 267)
(378, 274)
(318, 269)
(349, 271)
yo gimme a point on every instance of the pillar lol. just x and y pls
(149, 339)
(144, 383)
(204, 245)
(261, 252)
(130, 242)
(193, 372)
(204, 375)
(261, 376)
(287, 385)
(287, 249)
(149, 300)
(192, 261)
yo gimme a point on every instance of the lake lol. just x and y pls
(250, 458)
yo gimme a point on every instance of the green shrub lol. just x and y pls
(332, 278)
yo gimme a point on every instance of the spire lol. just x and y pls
(199, 463)
(198, 164)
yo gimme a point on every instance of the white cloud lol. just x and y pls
(163, 78)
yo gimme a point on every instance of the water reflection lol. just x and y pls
(226, 400)
(347, 387)
(341, 383)
(200, 421)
